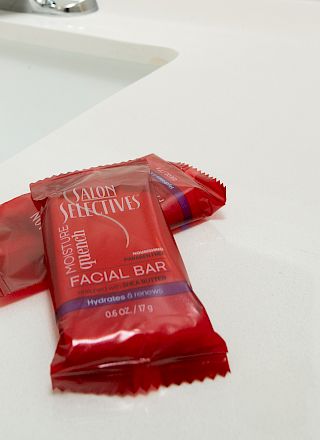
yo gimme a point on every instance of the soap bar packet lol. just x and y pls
(186, 195)
(128, 318)
(22, 268)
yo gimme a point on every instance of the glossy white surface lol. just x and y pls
(240, 101)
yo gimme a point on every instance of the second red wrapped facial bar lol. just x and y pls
(128, 318)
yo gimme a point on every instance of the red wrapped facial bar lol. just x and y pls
(127, 316)
(185, 194)
(22, 267)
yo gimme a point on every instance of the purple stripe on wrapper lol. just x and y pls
(126, 295)
(182, 200)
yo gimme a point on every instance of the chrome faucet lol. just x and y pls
(50, 6)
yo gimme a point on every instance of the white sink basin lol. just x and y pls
(50, 77)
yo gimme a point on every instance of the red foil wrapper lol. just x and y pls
(186, 195)
(128, 318)
(22, 268)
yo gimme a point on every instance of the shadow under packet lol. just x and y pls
(186, 195)
(127, 316)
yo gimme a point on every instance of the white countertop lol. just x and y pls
(241, 101)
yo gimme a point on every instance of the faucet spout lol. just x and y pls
(50, 6)
(64, 6)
